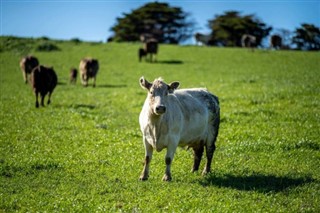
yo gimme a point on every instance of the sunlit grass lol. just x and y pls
(84, 152)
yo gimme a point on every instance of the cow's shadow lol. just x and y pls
(255, 182)
(173, 62)
(83, 106)
(111, 85)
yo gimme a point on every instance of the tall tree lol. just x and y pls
(227, 29)
(307, 37)
(167, 24)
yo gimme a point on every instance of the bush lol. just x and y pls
(47, 47)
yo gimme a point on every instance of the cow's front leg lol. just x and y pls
(168, 160)
(149, 150)
(84, 80)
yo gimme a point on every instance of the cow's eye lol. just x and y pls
(151, 92)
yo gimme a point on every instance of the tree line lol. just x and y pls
(172, 25)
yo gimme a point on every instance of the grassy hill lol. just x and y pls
(84, 152)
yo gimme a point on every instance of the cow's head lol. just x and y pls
(158, 92)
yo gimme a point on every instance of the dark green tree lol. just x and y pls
(167, 24)
(307, 37)
(227, 29)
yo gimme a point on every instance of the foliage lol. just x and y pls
(227, 29)
(168, 24)
(84, 152)
(47, 47)
(307, 37)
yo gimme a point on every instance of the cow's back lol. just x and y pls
(198, 109)
(44, 79)
(151, 46)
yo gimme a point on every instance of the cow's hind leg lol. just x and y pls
(37, 102)
(209, 152)
(25, 77)
(49, 98)
(94, 81)
(197, 152)
(42, 95)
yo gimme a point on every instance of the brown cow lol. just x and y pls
(248, 41)
(27, 64)
(44, 80)
(73, 75)
(88, 68)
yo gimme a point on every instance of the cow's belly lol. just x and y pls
(194, 132)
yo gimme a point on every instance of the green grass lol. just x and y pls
(84, 152)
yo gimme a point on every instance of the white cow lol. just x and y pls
(171, 118)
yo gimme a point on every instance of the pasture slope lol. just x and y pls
(84, 152)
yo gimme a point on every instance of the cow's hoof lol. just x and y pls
(143, 178)
(194, 170)
(167, 178)
(205, 172)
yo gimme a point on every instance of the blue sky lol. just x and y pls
(92, 20)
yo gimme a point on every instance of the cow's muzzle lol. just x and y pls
(160, 109)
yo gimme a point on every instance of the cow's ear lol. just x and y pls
(173, 86)
(144, 83)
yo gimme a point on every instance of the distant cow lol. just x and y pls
(248, 41)
(44, 80)
(202, 39)
(149, 47)
(27, 64)
(275, 42)
(88, 69)
(73, 75)
(171, 118)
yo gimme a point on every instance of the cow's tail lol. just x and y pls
(215, 111)
(216, 120)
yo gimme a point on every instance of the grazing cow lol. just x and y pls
(171, 118)
(27, 64)
(88, 68)
(202, 39)
(44, 80)
(275, 42)
(248, 41)
(149, 47)
(145, 37)
(73, 75)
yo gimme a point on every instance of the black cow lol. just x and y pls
(275, 42)
(149, 47)
(73, 75)
(44, 80)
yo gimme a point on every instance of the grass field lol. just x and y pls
(84, 152)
